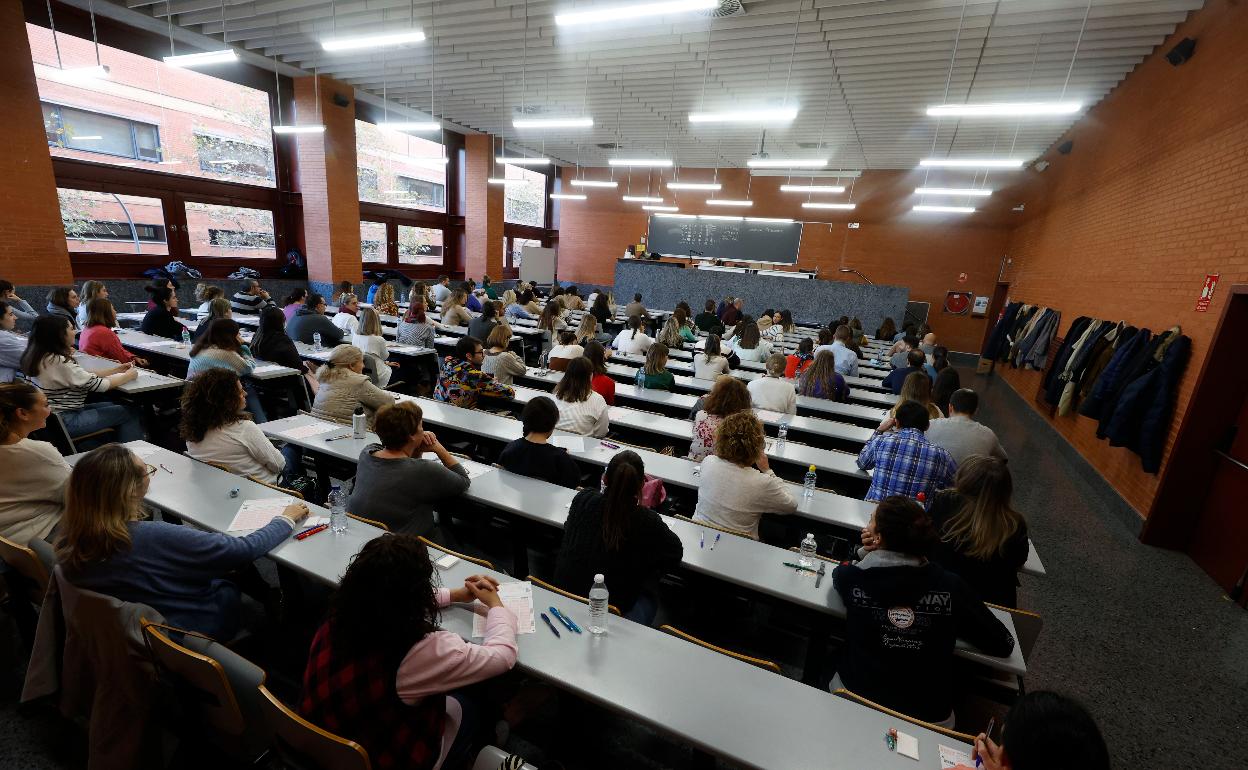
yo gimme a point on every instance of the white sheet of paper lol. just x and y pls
(476, 470)
(143, 449)
(574, 443)
(254, 514)
(267, 368)
(517, 597)
(951, 757)
(312, 429)
(169, 344)
(907, 745)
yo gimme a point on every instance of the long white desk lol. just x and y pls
(675, 687)
(147, 381)
(174, 349)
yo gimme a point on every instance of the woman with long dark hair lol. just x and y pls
(392, 686)
(822, 381)
(221, 347)
(710, 362)
(887, 331)
(797, 362)
(601, 383)
(481, 326)
(272, 343)
(32, 473)
(217, 429)
(99, 339)
(64, 301)
(161, 319)
(609, 532)
(947, 383)
(728, 396)
(294, 300)
(601, 309)
(750, 346)
(632, 340)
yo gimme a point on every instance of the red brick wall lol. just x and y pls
(327, 181)
(893, 245)
(32, 249)
(483, 209)
(1153, 197)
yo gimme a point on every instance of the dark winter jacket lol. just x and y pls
(1095, 404)
(1141, 420)
(307, 322)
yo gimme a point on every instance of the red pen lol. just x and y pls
(310, 532)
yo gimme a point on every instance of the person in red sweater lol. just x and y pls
(602, 384)
(98, 337)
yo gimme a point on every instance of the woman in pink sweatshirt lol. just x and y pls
(383, 674)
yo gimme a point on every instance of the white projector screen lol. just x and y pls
(537, 264)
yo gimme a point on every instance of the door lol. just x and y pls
(995, 306)
(1220, 543)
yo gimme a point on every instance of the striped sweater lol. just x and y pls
(218, 358)
(66, 384)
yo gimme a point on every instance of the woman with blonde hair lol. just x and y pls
(917, 387)
(90, 290)
(587, 332)
(499, 360)
(369, 340)
(669, 335)
(728, 396)
(179, 571)
(206, 293)
(508, 298)
(982, 538)
(657, 377)
(343, 387)
(737, 485)
(453, 311)
(384, 302)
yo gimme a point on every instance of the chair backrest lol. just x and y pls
(465, 557)
(611, 608)
(492, 758)
(372, 365)
(759, 662)
(1027, 627)
(55, 433)
(198, 679)
(847, 695)
(559, 364)
(304, 746)
(378, 524)
(708, 525)
(23, 560)
(275, 487)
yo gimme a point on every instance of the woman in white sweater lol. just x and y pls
(737, 485)
(499, 361)
(773, 392)
(633, 340)
(710, 363)
(215, 429)
(581, 409)
(368, 338)
(32, 473)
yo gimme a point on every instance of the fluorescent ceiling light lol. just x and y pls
(553, 123)
(642, 199)
(721, 218)
(766, 115)
(227, 56)
(676, 216)
(568, 197)
(847, 206)
(769, 219)
(88, 138)
(593, 183)
(972, 162)
(522, 161)
(787, 162)
(946, 209)
(833, 173)
(975, 191)
(728, 202)
(694, 186)
(308, 129)
(500, 180)
(399, 125)
(373, 41)
(93, 72)
(812, 188)
(646, 162)
(661, 208)
(622, 12)
(1004, 109)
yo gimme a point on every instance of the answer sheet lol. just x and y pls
(517, 597)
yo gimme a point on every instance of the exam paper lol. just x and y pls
(907, 745)
(312, 429)
(254, 514)
(574, 443)
(143, 449)
(517, 597)
(951, 758)
(267, 368)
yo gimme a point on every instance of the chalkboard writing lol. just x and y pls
(742, 240)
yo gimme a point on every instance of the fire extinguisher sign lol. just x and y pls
(1206, 294)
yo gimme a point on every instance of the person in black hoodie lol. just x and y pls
(903, 615)
(1043, 731)
(162, 319)
(533, 455)
(609, 532)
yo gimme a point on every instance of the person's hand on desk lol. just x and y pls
(465, 595)
(296, 512)
(485, 590)
(992, 755)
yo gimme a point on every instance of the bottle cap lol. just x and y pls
(600, 578)
(811, 468)
(810, 535)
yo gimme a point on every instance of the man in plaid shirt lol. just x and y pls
(905, 462)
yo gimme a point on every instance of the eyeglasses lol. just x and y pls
(151, 469)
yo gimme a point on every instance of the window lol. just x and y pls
(419, 246)
(229, 231)
(230, 157)
(524, 204)
(373, 242)
(398, 169)
(98, 222)
(92, 132)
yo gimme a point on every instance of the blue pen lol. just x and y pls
(550, 625)
(702, 539)
(564, 619)
(716, 540)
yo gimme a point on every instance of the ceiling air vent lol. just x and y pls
(726, 8)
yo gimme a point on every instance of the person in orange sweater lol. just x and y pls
(796, 363)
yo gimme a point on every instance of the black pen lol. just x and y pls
(336, 438)
(550, 625)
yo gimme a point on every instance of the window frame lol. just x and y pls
(130, 126)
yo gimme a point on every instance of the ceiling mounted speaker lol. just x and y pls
(726, 8)
(342, 101)
(1065, 147)
(1182, 51)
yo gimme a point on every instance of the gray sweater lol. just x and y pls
(402, 493)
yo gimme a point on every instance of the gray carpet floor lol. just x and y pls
(1140, 635)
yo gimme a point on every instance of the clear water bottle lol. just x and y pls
(806, 555)
(186, 336)
(782, 435)
(640, 379)
(808, 482)
(337, 510)
(316, 342)
(598, 605)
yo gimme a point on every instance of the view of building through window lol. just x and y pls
(399, 169)
(373, 241)
(419, 246)
(229, 231)
(114, 224)
(524, 204)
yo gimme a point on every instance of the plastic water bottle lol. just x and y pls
(782, 435)
(808, 482)
(640, 380)
(806, 555)
(186, 336)
(598, 605)
(359, 424)
(316, 342)
(337, 510)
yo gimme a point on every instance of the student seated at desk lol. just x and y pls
(180, 571)
(797, 362)
(581, 409)
(601, 309)
(481, 326)
(342, 387)
(294, 300)
(415, 327)
(683, 325)
(91, 290)
(916, 388)
(904, 614)
(12, 345)
(737, 484)
(610, 532)
(49, 361)
(383, 300)
(222, 347)
(728, 396)
(820, 380)
(710, 363)
(395, 484)
(26, 314)
(1044, 730)
(347, 317)
(899, 354)
(960, 434)
(462, 382)
(670, 334)
(602, 382)
(632, 339)
(750, 346)
(533, 454)
(251, 298)
(99, 339)
(309, 320)
(566, 350)
(32, 473)
(216, 429)
(393, 686)
(657, 377)
(772, 392)
(982, 538)
(904, 461)
(550, 323)
(206, 293)
(368, 339)
(161, 319)
(453, 311)
(272, 343)
(64, 301)
(217, 308)
(587, 331)
(887, 330)
(500, 361)
(707, 320)
(635, 309)
(897, 377)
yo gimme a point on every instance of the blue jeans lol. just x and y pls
(294, 461)
(644, 609)
(253, 403)
(100, 415)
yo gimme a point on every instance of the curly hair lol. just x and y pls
(728, 396)
(739, 438)
(205, 403)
